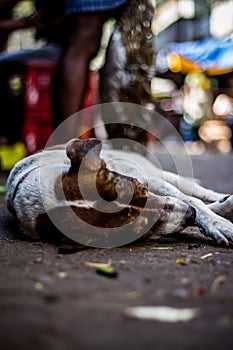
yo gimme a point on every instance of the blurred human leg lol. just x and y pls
(72, 74)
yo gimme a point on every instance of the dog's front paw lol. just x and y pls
(218, 228)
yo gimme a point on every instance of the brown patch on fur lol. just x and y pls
(89, 226)
(87, 167)
(109, 185)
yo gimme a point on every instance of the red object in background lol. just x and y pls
(38, 122)
(91, 99)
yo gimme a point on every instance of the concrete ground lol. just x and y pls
(50, 299)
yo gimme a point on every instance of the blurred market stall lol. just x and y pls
(212, 56)
(206, 68)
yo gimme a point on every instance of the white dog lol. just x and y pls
(107, 189)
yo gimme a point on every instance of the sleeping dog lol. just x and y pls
(93, 193)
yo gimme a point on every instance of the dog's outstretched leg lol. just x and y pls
(210, 224)
(223, 207)
(123, 162)
(192, 188)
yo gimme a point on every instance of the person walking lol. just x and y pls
(83, 22)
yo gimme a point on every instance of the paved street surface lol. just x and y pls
(51, 300)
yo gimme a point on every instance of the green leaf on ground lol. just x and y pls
(108, 271)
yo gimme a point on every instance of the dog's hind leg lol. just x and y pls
(191, 188)
(124, 161)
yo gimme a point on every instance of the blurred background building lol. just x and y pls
(193, 86)
(185, 20)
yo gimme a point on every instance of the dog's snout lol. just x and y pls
(190, 216)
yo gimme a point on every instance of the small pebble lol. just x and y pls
(62, 274)
(39, 286)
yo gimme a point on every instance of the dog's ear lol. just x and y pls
(86, 152)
